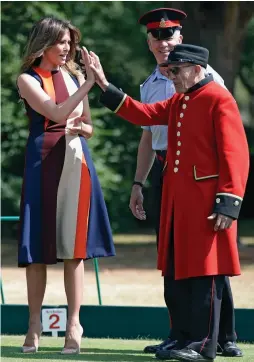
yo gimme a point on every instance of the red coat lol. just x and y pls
(206, 170)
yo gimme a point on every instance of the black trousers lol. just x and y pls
(195, 306)
(227, 314)
(157, 188)
(172, 297)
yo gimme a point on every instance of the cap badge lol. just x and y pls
(162, 23)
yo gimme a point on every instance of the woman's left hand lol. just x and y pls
(80, 127)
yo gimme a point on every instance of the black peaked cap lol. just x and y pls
(162, 22)
(168, 14)
(187, 53)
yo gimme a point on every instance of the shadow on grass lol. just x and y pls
(141, 256)
(93, 354)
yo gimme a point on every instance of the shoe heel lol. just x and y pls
(32, 349)
(70, 351)
(74, 350)
(27, 349)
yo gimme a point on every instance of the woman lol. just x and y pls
(63, 214)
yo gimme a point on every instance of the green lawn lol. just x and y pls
(94, 350)
(246, 232)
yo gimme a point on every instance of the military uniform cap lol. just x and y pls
(187, 53)
(162, 22)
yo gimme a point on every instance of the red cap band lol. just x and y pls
(163, 24)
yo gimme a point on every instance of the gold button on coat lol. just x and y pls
(184, 106)
(178, 134)
(179, 124)
(179, 143)
(218, 200)
(178, 152)
(186, 98)
(175, 170)
(181, 115)
(177, 162)
(236, 203)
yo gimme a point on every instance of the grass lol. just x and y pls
(94, 350)
(135, 238)
(246, 231)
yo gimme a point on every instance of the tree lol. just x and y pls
(221, 27)
(105, 27)
(17, 20)
(246, 70)
(112, 31)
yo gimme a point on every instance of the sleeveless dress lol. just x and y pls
(63, 213)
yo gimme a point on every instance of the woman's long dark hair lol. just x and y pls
(45, 33)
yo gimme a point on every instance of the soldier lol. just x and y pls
(205, 176)
(163, 33)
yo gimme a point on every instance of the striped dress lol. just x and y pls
(63, 213)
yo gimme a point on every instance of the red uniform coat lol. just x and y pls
(207, 164)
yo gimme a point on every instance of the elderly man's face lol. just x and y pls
(162, 48)
(183, 76)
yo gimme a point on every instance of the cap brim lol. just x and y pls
(163, 65)
(173, 14)
(169, 62)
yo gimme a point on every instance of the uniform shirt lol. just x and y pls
(157, 88)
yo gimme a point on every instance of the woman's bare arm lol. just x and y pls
(41, 102)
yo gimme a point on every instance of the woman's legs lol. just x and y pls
(74, 282)
(36, 276)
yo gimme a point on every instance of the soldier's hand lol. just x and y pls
(222, 221)
(96, 66)
(136, 203)
(87, 61)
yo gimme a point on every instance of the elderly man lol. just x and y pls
(205, 175)
(163, 33)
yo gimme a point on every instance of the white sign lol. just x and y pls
(54, 320)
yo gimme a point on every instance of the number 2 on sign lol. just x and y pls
(54, 325)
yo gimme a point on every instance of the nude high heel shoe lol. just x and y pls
(33, 340)
(27, 349)
(76, 338)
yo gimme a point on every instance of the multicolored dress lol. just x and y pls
(63, 213)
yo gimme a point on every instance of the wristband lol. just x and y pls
(137, 183)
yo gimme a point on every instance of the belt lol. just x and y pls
(161, 155)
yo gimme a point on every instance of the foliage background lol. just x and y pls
(111, 30)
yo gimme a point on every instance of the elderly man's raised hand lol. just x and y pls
(100, 77)
(92, 63)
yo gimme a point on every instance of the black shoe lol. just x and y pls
(230, 349)
(164, 354)
(187, 354)
(165, 345)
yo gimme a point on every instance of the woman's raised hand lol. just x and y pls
(93, 65)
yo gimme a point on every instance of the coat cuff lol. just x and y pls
(113, 98)
(228, 204)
